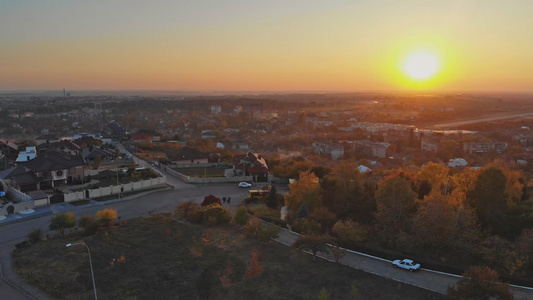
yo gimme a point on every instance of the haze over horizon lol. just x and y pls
(274, 46)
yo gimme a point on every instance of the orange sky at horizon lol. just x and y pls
(338, 46)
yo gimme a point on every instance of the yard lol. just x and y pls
(159, 258)
(201, 172)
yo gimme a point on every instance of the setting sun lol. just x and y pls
(421, 65)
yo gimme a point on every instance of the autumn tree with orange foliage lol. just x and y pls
(394, 198)
(106, 216)
(254, 269)
(480, 283)
(304, 191)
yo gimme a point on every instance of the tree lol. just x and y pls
(106, 216)
(268, 232)
(304, 191)
(254, 269)
(488, 198)
(394, 199)
(186, 208)
(436, 175)
(241, 216)
(63, 221)
(480, 283)
(314, 243)
(349, 231)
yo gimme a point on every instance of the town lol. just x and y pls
(344, 157)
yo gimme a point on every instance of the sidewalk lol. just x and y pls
(9, 276)
(426, 279)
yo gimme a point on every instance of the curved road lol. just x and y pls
(15, 229)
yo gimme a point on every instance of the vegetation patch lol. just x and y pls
(160, 258)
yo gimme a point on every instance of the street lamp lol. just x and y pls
(91, 264)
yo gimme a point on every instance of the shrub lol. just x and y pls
(62, 221)
(241, 216)
(220, 214)
(35, 235)
(208, 200)
(106, 216)
(85, 221)
(307, 226)
(210, 215)
(89, 225)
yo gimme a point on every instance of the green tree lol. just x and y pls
(242, 216)
(63, 221)
(480, 283)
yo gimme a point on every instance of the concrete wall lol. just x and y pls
(116, 189)
(18, 207)
(188, 179)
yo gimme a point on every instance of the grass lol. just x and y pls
(158, 258)
(201, 172)
(262, 210)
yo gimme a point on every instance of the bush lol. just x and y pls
(106, 216)
(349, 231)
(215, 214)
(208, 200)
(63, 221)
(89, 225)
(35, 236)
(241, 216)
(85, 221)
(210, 215)
(307, 226)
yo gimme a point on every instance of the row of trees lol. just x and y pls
(458, 216)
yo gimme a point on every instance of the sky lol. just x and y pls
(274, 45)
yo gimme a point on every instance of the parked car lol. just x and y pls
(244, 184)
(406, 264)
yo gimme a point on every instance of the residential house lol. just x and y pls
(92, 154)
(27, 155)
(63, 145)
(482, 147)
(8, 148)
(46, 139)
(335, 151)
(429, 144)
(187, 155)
(52, 169)
(114, 130)
(372, 149)
(251, 164)
(241, 146)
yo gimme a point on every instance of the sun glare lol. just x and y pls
(421, 65)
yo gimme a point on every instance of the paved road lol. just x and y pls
(482, 120)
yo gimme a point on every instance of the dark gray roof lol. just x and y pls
(52, 160)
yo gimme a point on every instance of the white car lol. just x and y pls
(406, 264)
(244, 184)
